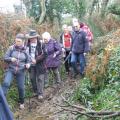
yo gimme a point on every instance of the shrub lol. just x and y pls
(82, 92)
(113, 70)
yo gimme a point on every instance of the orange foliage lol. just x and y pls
(97, 65)
(10, 25)
(108, 23)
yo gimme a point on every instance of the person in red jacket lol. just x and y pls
(88, 32)
(65, 40)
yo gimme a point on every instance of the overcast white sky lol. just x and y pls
(7, 5)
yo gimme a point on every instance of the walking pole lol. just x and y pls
(28, 83)
(67, 58)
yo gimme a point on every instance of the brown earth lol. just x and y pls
(47, 109)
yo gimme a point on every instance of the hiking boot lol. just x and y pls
(82, 75)
(46, 85)
(40, 97)
(22, 106)
(75, 75)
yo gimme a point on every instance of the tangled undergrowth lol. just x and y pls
(103, 52)
(10, 25)
(100, 89)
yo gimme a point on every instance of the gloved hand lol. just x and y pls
(63, 52)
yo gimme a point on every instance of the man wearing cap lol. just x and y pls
(37, 70)
(18, 60)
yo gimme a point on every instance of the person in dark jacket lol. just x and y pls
(18, 60)
(38, 54)
(32, 37)
(65, 40)
(5, 112)
(53, 59)
(79, 48)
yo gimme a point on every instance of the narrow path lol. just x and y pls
(47, 110)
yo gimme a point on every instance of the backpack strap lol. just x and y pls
(41, 47)
(24, 51)
(11, 49)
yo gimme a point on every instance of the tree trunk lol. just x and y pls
(94, 3)
(104, 5)
(28, 5)
(77, 7)
(43, 9)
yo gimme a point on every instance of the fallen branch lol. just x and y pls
(81, 113)
(74, 106)
(75, 109)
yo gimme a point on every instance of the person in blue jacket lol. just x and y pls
(79, 48)
(18, 61)
(5, 113)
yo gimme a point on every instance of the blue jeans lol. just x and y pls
(78, 58)
(20, 79)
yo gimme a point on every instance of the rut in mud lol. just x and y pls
(47, 110)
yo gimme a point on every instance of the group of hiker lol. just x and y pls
(41, 55)
(76, 43)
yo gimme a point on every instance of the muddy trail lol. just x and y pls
(47, 109)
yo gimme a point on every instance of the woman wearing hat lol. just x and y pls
(18, 60)
(38, 54)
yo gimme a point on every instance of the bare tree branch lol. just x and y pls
(75, 109)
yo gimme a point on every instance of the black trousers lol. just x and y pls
(33, 76)
(67, 63)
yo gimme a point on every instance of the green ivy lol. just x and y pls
(113, 70)
(108, 97)
(82, 92)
